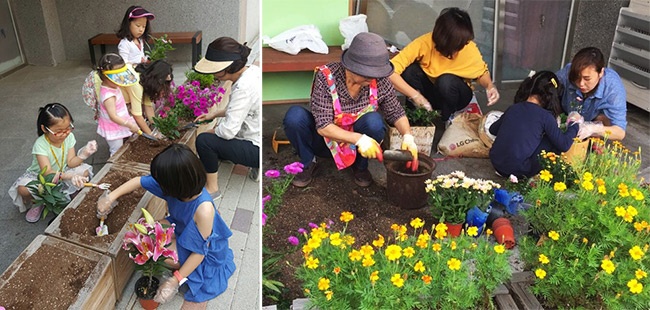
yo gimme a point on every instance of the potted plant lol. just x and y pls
(147, 242)
(48, 192)
(422, 129)
(160, 48)
(593, 252)
(412, 270)
(452, 195)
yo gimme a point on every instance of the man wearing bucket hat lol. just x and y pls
(345, 120)
(237, 138)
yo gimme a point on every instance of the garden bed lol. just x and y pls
(53, 274)
(141, 151)
(77, 223)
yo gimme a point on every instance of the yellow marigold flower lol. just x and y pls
(379, 242)
(622, 190)
(426, 279)
(367, 250)
(636, 194)
(600, 182)
(306, 249)
(640, 274)
(553, 235)
(402, 237)
(636, 253)
(346, 216)
(408, 252)
(453, 245)
(628, 217)
(367, 262)
(545, 175)
(417, 223)
(422, 241)
(632, 211)
(585, 240)
(488, 232)
(441, 227)
(314, 242)
(402, 229)
(337, 270)
(638, 226)
(543, 259)
(608, 266)
(335, 239)
(355, 255)
(349, 240)
(620, 211)
(602, 190)
(472, 231)
(394, 227)
(499, 248)
(374, 276)
(587, 185)
(635, 286)
(328, 295)
(453, 264)
(311, 262)
(540, 273)
(436, 247)
(419, 266)
(587, 176)
(397, 280)
(323, 284)
(441, 234)
(393, 252)
(559, 186)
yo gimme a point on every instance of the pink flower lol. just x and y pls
(294, 168)
(264, 218)
(293, 240)
(312, 225)
(264, 200)
(273, 174)
(302, 231)
(196, 83)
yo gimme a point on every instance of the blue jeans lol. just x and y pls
(300, 127)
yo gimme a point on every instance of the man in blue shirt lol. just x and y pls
(596, 92)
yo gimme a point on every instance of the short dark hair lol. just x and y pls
(586, 57)
(178, 171)
(231, 45)
(48, 114)
(452, 31)
(125, 32)
(153, 78)
(546, 86)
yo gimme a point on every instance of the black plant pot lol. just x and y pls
(146, 290)
(496, 211)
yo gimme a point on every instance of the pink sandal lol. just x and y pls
(34, 214)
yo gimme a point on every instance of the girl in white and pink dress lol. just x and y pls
(114, 122)
(134, 31)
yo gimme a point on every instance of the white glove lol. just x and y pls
(575, 117)
(166, 291)
(105, 204)
(492, 95)
(88, 150)
(369, 148)
(421, 102)
(78, 180)
(590, 129)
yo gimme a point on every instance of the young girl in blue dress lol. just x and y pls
(55, 149)
(205, 260)
(134, 31)
(530, 126)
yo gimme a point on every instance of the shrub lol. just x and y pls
(160, 48)
(48, 192)
(421, 117)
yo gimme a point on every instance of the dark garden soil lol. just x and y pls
(330, 193)
(82, 221)
(143, 150)
(66, 275)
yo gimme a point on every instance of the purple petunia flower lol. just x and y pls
(312, 225)
(264, 218)
(273, 174)
(265, 199)
(293, 240)
(302, 231)
(294, 168)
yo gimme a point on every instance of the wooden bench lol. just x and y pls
(193, 38)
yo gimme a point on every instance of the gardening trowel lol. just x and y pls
(194, 124)
(148, 136)
(102, 229)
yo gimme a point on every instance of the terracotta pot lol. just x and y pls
(148, 304)
(454, 230)
(504, 233)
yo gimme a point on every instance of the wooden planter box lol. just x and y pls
(97, 289)
(423, 138)
(82, 214)
(188, 138)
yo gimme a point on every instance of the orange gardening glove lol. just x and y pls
(408, 143)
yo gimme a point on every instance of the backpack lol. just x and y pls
(90, 92)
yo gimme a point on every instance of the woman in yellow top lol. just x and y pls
(439, 66)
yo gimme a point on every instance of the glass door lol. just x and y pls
(10, 53)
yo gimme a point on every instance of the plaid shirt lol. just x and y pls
(321, 99)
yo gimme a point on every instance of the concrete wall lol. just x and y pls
(595, 25)
(55, 30)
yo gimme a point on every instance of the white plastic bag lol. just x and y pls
(350, 27)
(295, 39)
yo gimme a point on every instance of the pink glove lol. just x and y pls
(166, 291)
(88, 150)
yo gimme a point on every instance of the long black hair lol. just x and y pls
(548, 89)
(125, 32)
(153, 78)
(49, 116)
